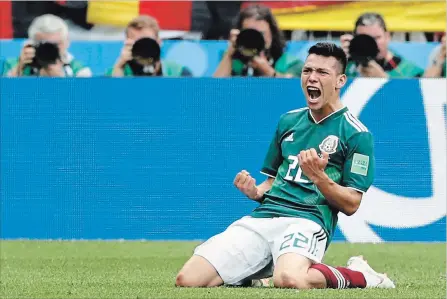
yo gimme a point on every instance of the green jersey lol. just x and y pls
(398, 67)
(351, 164)
(286, 64)
(168, 69)
(72, 67)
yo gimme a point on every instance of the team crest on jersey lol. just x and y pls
(329, 144)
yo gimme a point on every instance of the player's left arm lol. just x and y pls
(358, 173)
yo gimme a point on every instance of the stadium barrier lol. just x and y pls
(138, 158)
(203, 56)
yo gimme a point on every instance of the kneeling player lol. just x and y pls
(319, 163)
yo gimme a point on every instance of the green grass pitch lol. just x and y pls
(109, 269)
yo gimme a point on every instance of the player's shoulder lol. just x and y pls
(294, 114)
(292, 117)
(353, 126)
(299, 110)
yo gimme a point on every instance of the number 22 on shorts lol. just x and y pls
(299, 241)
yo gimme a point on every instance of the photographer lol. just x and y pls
(256, 48)
(140, 55)
(368, 51)
(45, 54)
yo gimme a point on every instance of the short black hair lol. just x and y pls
(370, 18)
(330, 50)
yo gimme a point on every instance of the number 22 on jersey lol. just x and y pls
(292, 166)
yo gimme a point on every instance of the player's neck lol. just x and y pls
(326, 110)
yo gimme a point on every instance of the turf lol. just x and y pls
(106, 269)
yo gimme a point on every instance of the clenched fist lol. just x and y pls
(311, 164)
(246, 184)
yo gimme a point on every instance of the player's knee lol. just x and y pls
(181, 280)
(290, 280)
(285, 280)
(184, 280)
(189, 280)
(198, 272)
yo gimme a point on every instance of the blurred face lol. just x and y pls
(136, 34)
(262, 26)
(379, 34)
(321, 81)
(55, 38)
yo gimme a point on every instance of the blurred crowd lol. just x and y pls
(256, 47)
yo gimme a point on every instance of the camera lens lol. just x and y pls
(145, 53)
(249, 43)
(362, 49)
(46, 53)
(146, 49)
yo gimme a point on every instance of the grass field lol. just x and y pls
(93, 269)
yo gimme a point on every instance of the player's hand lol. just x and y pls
(373, 70)
(311, 164)
(126, 53)
(345, 41)
(246, 184)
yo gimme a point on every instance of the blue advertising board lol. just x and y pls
(153, 158)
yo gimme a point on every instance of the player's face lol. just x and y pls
(262, 26)
(379, 34)
(321, 80)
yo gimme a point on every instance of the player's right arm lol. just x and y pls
(247, 185)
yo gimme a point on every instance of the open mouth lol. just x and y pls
(313, 92)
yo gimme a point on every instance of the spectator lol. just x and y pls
(273, 61)
(437, 61)
(46, 53)
(386, 64)
(213, 18)
(144, 27)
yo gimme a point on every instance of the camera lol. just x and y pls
(362, 49)
(46, 53)
(249, 43)
(145, 54)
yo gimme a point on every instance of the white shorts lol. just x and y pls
(249, 247)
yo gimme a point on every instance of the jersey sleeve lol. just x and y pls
(359, 167)
(273, 157)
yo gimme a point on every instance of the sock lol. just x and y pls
(340, 277)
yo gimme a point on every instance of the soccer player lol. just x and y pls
(319, 163)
